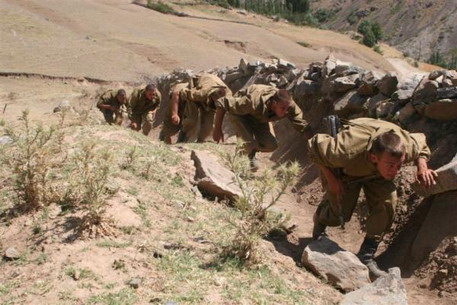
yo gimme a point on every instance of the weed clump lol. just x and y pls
(259, 194)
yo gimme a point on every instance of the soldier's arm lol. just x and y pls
(295, 115)
(174, 106)
(218, 135)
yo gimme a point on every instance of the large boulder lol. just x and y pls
(446, 181)
(351, 103)
(213, 179)
(345, 83)
(387, 85)
(442, 110)
(386, 290)
(336, 265)
(368, 82)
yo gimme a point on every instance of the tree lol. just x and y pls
(298, 6)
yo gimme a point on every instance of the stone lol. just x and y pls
(405, 113)
(385, 109)
(425, 91)
(212, 178)
(11, 253)
(387, 85)
(5, 140)
(449, 92)
(243, 65)
(336, 265)
(329, 66)
(435, 74)
(374, 102)
(402, 96)
(386, 290)
(368, 82)
(305, 88)
(284, 64)
(446, 181)
(134, 282)
(442, 110)
(345, 83)
(65, 105)
(349, 104)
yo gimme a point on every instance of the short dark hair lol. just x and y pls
(121, 92)
(282, 96)
(389, 142)
(150, 87)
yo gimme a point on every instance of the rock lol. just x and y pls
(284, 64)
(63, 106)
(435, 74)
(385, 109)
(425, 91)
(349, 104)
(329, 66)
(388, 84)
(368, 82)
(442, 110)
(243, 65)
(405, 113)
(446, 83)
(402, 96)
(11, 253)
(374, 102)
(450, 92)
(212, 178)
(336, 265)
(386, 290)
(305, 88)
(345, 83)
(135, 282)
(5, 140)
(446, 181)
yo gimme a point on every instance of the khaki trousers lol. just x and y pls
(258, 136)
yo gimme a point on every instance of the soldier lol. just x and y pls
(365, 148)
(251, 111)
(142, 106)
(113, 106)
(192, 109)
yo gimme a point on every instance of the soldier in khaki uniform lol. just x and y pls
(112, 105)
(251, 111)
(365, 148)
(191, 111)
(142, 106)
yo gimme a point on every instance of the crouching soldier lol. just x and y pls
(142, 106)
(252, 109)
(364, 148)
(192, 108)
(113, 107)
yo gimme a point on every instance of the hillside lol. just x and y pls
(417, 28)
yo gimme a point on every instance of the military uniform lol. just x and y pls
(195, 109)
(141, 110)
(350, 152)
(250, 114)
(112, 117)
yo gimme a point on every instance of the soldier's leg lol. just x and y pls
(328, 212)
(244, 130)
(108, 115)
(264, 136)
(118, 118)
(206, 124)
(137, 119)
(381, 200)
(168, 130)
(190, 119)
(148, 120)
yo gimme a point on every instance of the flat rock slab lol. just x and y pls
(386, 290)
(336, 265)
(446, 181)
(212, 178)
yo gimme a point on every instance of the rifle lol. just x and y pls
(333, 125)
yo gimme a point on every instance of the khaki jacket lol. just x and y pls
(206, 84)
(109, 98)
(255, 101)
(350, 149)
(139, 105)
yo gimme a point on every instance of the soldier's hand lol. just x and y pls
(175, 119)
(218, 135)
(426, 177)
(134, 126)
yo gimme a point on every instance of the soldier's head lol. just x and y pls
(217, 94)
(121, 96)
(150, 92)
(388, 153)
(280, 103)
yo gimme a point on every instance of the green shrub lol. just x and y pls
(160, 7)
(371, 32)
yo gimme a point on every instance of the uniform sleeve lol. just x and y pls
(421, 147)
(295, 115)
(325, 150)
(102, 100)
(157, 99)
(236, 105)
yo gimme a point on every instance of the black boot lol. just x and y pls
(366, 256)
(252, 161)
(318, 229)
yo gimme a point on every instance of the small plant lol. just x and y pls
(36, 153)
(160, 7)
(304, 44)
(377, 49)
(130, 158)
(259, 194)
